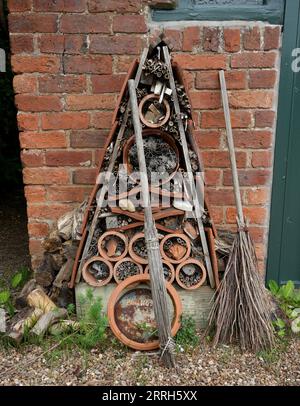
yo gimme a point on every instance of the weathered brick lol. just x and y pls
(264, 118)
(257, 233)
(26, 102)
(240, 119)
(85, 23)
(256, 139)
(35, 194)
(44, 211)
(256, 215)
(120, 6)
(76, 44)
(65, 121)
(19, 5)
(90, 102)
(46, 176)
(123, 62)
(262, 159)
(102, 119)
(101, 64)
(38, 229)
(50, 139)
(208, 139)
(33, 64)
(262, 79)
(205, 100)
(257, 196)
(220, 159)
(217, 213)
(20, 44)
(68, 158)
(220, 196)
(249, 177)
(32, 158)
(253, 60)
(62, 84)
(210, 80)
(191, 38)
(129, 23)
(85, 176)
(29, 23)
(88, 139)
(117, 44)
(173, 39)
(232, 39)
(200, 62)
(27, 121)
(67, 194)
(36, 250)
(25, 84)
(189, 79)
(51, 43)
(107, 83)
(271, 38)
(251, 99)
(251, 39)
(73, 6)
(212, 177)
(211, 37)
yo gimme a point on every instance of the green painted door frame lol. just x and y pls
(284, 238)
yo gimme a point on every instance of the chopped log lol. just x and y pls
(38, 299)
(60, 293)
(21, 299)
(65, 225)
(52, 243)
(58, 259)
(17, 331)
(45, 273)
(47, 320)
(64, 326)
(70, 248)
(2, 320)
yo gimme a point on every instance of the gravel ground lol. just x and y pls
(120, 366)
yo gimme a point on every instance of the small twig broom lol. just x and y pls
(241, 312)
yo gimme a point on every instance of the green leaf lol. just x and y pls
(16, 280)
(288, 290)
(273, 286)
(281, 333)
(4, 296)
(280, 323)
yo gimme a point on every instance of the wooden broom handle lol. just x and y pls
(235, 178)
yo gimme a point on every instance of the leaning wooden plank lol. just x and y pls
(47, 320)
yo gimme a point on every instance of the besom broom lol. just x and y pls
(241, 312)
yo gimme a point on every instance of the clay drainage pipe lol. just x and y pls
(132, 249)
(169, 271)
(190, 274)
(125, 268)
(175, 248)
(113, 246)
(97, 271)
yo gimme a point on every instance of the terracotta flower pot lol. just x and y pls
(90, 277)
(199, 268)
(176, 253)
(134, 256)
(170, 268)
(166, 106)
(105, 239)
(125, 261)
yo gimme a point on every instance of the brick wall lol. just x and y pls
(70, 58)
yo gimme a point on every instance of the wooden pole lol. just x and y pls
(157, 281)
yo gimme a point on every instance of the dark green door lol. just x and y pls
(284, 240)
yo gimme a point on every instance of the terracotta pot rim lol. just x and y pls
(102, 252)
(175, 235)
(90, 279)
(131, 252)
(171, 267)
(120, 262)
(142, 118)
(201, 266)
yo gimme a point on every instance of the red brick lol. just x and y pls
(85, 23)
(262, 79)
(210, 80)
(32, 23)
(212, 177)
(90, 102)
(107, 83)
(74, 6)
(101, 64)
(258, 196)
(88, 139)
(65, 121)
(20, 44)
(264, 118)
(36, 250)
(173, 39)
(62, 84)
(217, 213)
(19, 5)
(46, 176)
(208, 139)
(251, 39)
(35, 194)
(32, 158)
(25, 84)
(76, 44)
(44, 211)
(129, 23)
(33, 64)
(121, 6)
(254, 60)
(272, 38)
(251, 99)
(220, 197)
(200, 62)
(38, 103)
(102, 119)
(254, 139)
(117, 44)
(28, 121)
(260, 250)
(122, 63)
(262, 159)
(38, 230)
(51, 43)
(188, 80)
(85, 176)
(191, 38)
(256, 215)
(232, 39)
(211, 39)
(50, 139)
(249, 177)
(257, 233)
(68, 158)
(240, 119)
(205, 100)
(220, 159)
(67, 194)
